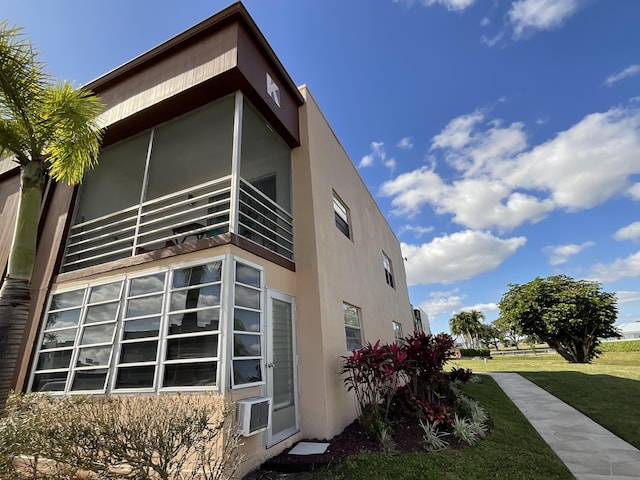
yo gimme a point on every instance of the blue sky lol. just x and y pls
(500, 138)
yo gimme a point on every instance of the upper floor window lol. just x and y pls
(388, 270)
(352, 326)
(397, 332)
(341, 213)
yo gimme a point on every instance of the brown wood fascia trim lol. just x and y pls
(176, 250)
(235, 11)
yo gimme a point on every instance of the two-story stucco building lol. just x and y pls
(225, 242)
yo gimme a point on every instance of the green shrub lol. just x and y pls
(620, 346)
(475, 352)
(133, 437)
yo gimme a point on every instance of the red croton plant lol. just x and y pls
(406, 378)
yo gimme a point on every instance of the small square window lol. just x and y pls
(388, 270)
(352, 327)
(341, 214)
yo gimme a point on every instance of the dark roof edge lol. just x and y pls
(236, 9)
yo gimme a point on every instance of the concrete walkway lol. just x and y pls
(589, 451)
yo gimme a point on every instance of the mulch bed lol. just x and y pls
(354, 439)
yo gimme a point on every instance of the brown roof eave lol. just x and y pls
(235, 11)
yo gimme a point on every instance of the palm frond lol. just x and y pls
(69, 131)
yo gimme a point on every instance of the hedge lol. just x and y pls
(621, 346)
(475, 352)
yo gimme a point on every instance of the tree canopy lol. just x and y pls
(570, 315)
(467, 324)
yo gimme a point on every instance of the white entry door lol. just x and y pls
(282, 372)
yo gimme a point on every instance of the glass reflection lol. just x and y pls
(89, 380)
(247, 297)
(59, 338)
(146, 327)
(68, 318)
(190, 322)
(246, 345)
(246, 320)
(102, 313)
(190, 375)
(49, 382)
(67, 299)
(102, 293)
(247, 275)
(138, 307)
(246, 371)
(138, 352)
(93, 356)
(211, 272)
(135, 377)
(196, 298)
(148, 284)
(51, 360)
(192, 347)
(97, 334)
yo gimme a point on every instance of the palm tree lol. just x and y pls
(467, 325)
(51, 130)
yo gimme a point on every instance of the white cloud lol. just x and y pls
(405, 143)
(377, 153)
(416, 229)
(482, 307)
(627, 72)
(528, 15)
(621, 268)
(492, 41)
(559, 254)
(390, 164)
(625, 297)
(500, 182)
(451, 5)
(634, 191)
(442, 302)
(366, 161)
(629, 232)
(458, 256)
(485, 21)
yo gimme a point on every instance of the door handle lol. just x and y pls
(271, 365)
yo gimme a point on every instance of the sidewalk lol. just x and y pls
(587, 449)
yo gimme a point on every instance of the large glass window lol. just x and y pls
(247, 326)
(144, 333)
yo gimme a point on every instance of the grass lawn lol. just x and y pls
(607, 391)
(512, 451)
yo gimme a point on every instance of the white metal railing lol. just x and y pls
(180, 217)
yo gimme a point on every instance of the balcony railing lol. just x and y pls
(180, 217)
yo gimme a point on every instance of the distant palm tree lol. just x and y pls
(51, 130)
(467, 324)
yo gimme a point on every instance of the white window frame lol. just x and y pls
(341, 212)
(388, 270)
(397, 332)
(347, 326)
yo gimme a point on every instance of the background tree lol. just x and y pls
(489, 336)
(466, 324)
(509, 333)
(570, 315)
(50, 129)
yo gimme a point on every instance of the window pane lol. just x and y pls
(98, 334)
(51, 360)
(190, 322)
(246, 320)
(342, 226)
(354, 338)
(148, 284)
(93, 356)
(68, 318)
(196, 298)
(247, 297)
(138, 307)
(190, 374)
(246, 371)
(49, 382)
(59, 338)
(102, 293)
(209, 273)
(102, 313)
(67, 299)
(192, 347)
(146, 327)
(89, 380)
(351, 316)
(135, 377)
(138, 352)
(246, 345)
(247, 275)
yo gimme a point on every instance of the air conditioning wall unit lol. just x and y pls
(254, 415)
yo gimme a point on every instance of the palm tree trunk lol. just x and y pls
(15, 294)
